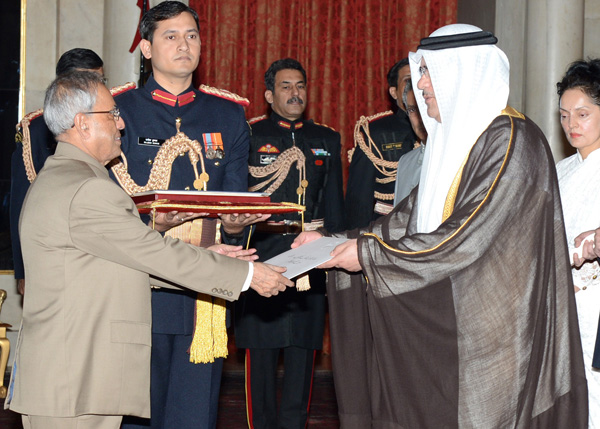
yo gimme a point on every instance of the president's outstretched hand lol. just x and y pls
(268, 281)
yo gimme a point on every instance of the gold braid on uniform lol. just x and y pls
(210, 335)
(26, 142)
(386, 168)
(350, 154)
(116, 90)
(223, 93)
(160, 174)
(279, 171)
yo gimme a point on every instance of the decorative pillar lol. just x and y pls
(591, 47)
(80, 26)
(40, 51)
(121, 19)
(554, 39)
(511, 17)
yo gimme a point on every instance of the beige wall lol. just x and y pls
(107, 27)
(591, 41)
(540, 38)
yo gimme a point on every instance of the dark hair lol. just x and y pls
(584, 75)
(78, 58)
(407, 88)
(392, 76)
(69, 94)
(283, 64)
(161, 12)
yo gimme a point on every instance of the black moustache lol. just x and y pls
(295, 100)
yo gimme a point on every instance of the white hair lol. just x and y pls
(68, 95)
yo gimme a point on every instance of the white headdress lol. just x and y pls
(469, 76)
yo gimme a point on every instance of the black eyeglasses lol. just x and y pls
(115, 112)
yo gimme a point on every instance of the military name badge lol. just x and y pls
(268, 154)
(149, 141)
(391, 146)
(213, 145)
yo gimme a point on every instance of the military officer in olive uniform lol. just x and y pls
(292, 321)
(380, 141)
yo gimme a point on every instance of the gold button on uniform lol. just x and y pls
(149, 162)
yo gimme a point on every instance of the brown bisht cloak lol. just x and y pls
(474, 324)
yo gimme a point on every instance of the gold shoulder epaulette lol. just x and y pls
(256, 119)
(510, 111)
(324, 125)
(116, 90)
(364, 121)
(370, 149)
(222, 93)
(379, 115)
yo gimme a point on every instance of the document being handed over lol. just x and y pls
(306, 257)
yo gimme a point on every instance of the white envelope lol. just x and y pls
(306, 257)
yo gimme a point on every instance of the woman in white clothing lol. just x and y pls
(579, 181)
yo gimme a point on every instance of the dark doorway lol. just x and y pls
(10, 20)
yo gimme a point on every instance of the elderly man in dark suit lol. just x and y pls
(87, 260)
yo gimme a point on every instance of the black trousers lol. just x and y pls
(261, 387)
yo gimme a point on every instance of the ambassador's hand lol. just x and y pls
(345, 256)
(267, 281)
(165, 221)
(234, 223)
(234, 252)
(306, 237)
(21, 286)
